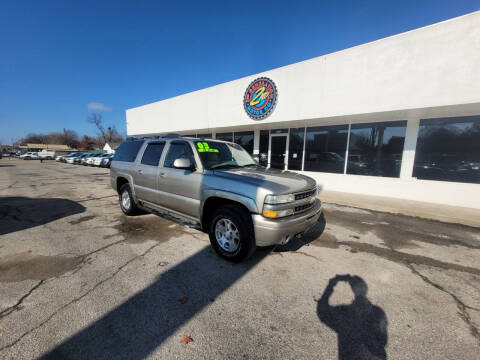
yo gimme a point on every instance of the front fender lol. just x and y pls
(242, 199)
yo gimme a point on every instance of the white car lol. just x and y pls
(63, 157)
(46, 155)
(97, 161)
(30, 156)
(90, 159)
(107, 160)
(70, 159)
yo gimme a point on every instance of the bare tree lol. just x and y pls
(96, 119)
(70, 138)
(109, 135)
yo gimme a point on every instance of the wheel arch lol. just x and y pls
(218, 199)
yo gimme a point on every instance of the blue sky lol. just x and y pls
(56, 57)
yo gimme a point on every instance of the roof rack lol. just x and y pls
(152, 137)
(171, 136)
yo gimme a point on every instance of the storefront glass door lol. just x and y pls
(278, 151)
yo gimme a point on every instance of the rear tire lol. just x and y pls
(231, 233)
(127, 203)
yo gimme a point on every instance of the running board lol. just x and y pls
(169, 214)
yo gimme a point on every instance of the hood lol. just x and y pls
(277, 181)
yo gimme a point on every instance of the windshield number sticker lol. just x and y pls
(203, 147)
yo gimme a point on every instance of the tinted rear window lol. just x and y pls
(128, 151)
(152, 154)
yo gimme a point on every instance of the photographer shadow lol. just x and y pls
(361, 327)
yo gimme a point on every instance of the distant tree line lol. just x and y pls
(105, 134)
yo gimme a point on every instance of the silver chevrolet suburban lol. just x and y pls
(218, 187)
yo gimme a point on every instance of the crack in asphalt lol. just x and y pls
(462, 307)
(18, 304)
(390, 254)
(306, 254)
(106, 246)
(75, 300)
(97, 198)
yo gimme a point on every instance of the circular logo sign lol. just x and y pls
(260, 98)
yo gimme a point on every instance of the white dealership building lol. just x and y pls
(397, 117)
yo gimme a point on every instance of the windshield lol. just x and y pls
(216, 155)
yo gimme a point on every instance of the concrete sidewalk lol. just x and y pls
(449, 214)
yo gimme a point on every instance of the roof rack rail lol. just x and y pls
(171, 136)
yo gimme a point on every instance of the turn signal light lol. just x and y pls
(277, 214)
(269, 213)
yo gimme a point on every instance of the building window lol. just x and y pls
(325, 148)
(448, 149)
(295, 148)
(279, 131)
(263, 147)
(204, 136)
(376, 149)
(191, 135)
(153, 152)
(228, 136)
(244, 139)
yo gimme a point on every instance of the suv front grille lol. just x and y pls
(304, 195)
(304, 207)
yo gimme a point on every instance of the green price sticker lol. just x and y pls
(203, 146)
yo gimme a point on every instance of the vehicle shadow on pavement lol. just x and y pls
(361, 327)
(20, 213)
(138, 326)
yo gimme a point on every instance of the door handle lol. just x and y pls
(139, 171)
(162, 175)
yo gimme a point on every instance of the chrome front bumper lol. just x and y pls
(272, 232)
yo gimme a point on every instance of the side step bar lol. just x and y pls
(170, 214)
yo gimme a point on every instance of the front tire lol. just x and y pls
(231, 233)
(127, 203)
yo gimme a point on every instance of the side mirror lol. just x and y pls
(183, 163)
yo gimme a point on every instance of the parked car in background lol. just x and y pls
(85, 159)
(61, 158)
(79, 159)
(98, 159)
(46, 155)
(90, 160)
(107, 161)
(74, 158)
(29, 156)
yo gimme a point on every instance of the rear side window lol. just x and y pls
(152, 154)
(178, 151)
(128, 151)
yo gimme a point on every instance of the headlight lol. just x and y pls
(277, 213)
(279, 199)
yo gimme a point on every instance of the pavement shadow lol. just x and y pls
(7, 165)
(19, 213)
(138, 326)
(304, 240)
(361, 327)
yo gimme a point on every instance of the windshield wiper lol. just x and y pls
(220, 166)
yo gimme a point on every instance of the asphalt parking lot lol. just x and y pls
(78, 279)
